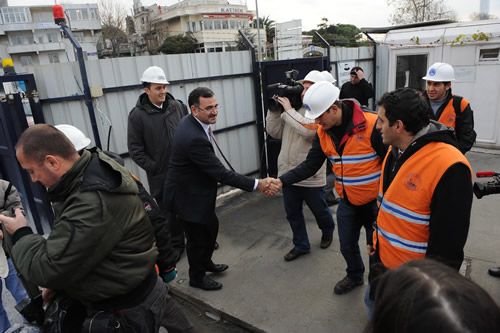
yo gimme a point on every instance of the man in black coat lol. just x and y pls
(357, 88)
(191, 186)
(151, 127)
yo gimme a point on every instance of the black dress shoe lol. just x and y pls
(206, 284)
(494, 271)
(218, 268)
(294, 254)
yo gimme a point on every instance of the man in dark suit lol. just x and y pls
(191, 186)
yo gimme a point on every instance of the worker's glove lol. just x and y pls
(169, 274)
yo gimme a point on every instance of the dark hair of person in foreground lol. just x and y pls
(427, 296)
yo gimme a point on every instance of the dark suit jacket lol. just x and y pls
(194, 170)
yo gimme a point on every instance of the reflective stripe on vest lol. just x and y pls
(357, 171)
(405, 207)
(449, 115)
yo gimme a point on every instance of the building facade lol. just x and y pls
(214, 23)
(29, 35)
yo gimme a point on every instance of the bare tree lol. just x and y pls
(478, 16)
(113, 21)
(413, 11)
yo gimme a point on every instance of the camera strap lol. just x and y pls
(212, 138)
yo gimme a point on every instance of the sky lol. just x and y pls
(361, 13)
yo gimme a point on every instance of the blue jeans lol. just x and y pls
(293, 198)
(16, 288)
(350, 219)
(369, 303)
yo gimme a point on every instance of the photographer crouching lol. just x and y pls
(285, 120)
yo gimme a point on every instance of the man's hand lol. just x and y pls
(47, 295)
(11, 224)
(284, 101)
(360, 74)
(274, 187)
(370, 250)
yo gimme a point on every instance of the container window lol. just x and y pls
(409, 71)
(489, 54)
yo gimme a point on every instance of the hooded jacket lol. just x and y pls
(149, 137)
(102, 243)
(447, 217)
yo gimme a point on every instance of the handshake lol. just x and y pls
(269, 186)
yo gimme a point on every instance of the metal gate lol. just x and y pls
(16, 108)
(274, 72)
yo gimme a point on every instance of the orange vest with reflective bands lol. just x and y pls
(405, 208)
(449, 115)
(357, 171)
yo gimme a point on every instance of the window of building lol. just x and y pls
(79, 36)
(193, 27)
(53, 58)
(16, 40)
(489, 54)
(15, 14)
(409, 71)
(209, 24)
(94, 15)
(26, 61)
(43, 17)
(52, 37)
(217, 25)
(225, 24)
(232, 24)
(78, 14)
(40, 39)
(30, 40)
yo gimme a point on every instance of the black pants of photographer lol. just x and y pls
(157, 310)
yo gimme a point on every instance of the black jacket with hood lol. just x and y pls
(149, 138)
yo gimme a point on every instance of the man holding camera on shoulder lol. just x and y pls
(296, 133)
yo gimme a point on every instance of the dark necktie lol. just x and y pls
(212, 139)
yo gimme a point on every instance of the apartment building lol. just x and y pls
(214, 23)
(29, 35)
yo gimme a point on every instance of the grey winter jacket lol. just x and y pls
(296, 140)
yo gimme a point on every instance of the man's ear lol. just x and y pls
(52, 162)
(193, 109)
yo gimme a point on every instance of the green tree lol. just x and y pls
(269, 26)
(337, 34)
(413, 11)
(240, 42)
(177, 44)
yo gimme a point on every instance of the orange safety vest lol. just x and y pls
(405, 207)
(449, 114)
(357, 170)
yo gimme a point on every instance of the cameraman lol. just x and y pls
(296, 133)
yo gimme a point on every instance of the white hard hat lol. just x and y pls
(319, 98)
(154, 74)
(77, 138)
(314, 76)
(328, 77)
(440, 72)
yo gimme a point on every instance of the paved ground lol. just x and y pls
(263, 293)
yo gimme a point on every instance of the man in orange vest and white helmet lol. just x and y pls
(451, 110)
(348, 138)
(425, 194)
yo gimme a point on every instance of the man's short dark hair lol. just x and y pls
(194, 96)
(407, 105)
(146, 85)
(41, 140)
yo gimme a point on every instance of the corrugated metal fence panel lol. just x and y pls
(234, 94)
(363, 56)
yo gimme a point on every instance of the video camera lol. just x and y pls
(290, 89)
(492, 187)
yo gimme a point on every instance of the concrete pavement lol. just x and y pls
(264, 293)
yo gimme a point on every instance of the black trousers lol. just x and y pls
(175, 226)
(200, 245)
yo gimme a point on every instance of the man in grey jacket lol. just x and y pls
(151, 127)
(296, 133)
